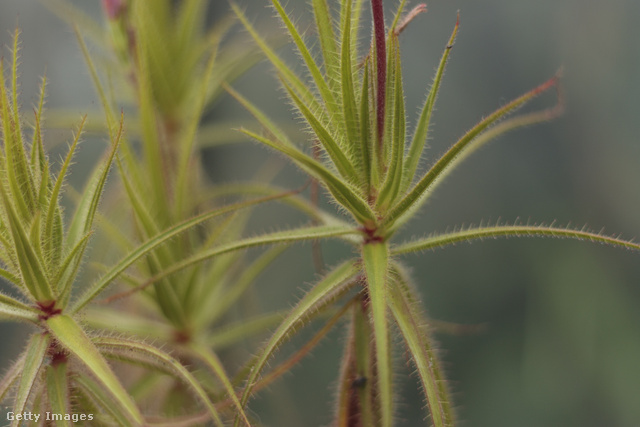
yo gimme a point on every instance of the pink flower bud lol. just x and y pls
(113, 8)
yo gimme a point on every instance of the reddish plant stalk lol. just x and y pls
(381, 64)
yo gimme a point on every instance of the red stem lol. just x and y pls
(381, 62)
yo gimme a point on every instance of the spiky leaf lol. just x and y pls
(34, 358)
(322, 293)
(376, 265)
(71, 336)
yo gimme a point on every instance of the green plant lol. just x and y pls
(355, 112)
(41, 261)
(175, 68)
(181, 257)
(64, 364)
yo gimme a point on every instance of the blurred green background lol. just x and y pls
(562, 343)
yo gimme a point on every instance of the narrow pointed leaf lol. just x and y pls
(386, 140)
(348, 90)
(187, 142)
(376, 265)
(13, 309)
(396, 17)
(313, 68)
(73, 338)
(34, 358)
(496, 131)
(110, 227)
(110, 117)
(161, 79)
(57, 237)
(393, 178)
(55, 192)
(38, 162)
(214, 364)
(290, 236)
(233, 63)
(15, 165)
(35, 236)
(240, 286)
(304, 350)
(58, 392)
(87, 207)
(30, 187)
(153, 243)
(298, 202)
(338, 156)
(422, 128)
(414, 333)
(14, 74)
(166, 295)
(11, 376)
(18, 174)
(133, 348)
(479, 233)
(69, 269)
(480, 141)
(417, 194)
(128, 323)
(103, 400)
(377, 163)
(366, 151)
(342, 191)
(289, 76)
(190, 19)
(323, 293)
(145, 219)
(355, 27)
(324, 25)
(31, 268)
(267, 123)
(111, 121)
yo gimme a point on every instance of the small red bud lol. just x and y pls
(113, 8)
